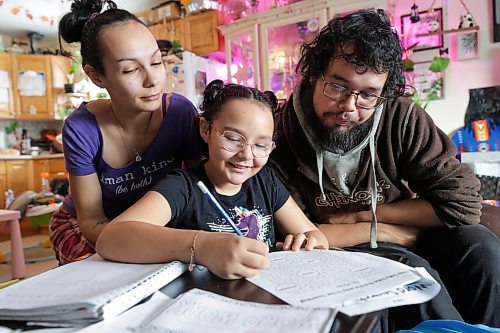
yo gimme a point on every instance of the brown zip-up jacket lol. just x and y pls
(410, 149)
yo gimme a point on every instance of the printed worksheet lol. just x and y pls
(417, 292)
(199, 311)
(328, 278)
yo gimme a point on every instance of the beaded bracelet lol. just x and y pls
(193, 249)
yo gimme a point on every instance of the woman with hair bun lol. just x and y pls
(115, 149)
(176, 221)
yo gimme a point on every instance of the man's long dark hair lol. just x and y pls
(364, 38)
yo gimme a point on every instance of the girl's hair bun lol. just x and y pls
(212, 94)
(273, 100)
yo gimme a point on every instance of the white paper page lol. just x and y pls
(4, 79)
(93, 280)
(31, 83)
(129, 320)
(327, 278)
(41, 330)
(417, 292)
(199, 311)
(7, 330)
(4, 95)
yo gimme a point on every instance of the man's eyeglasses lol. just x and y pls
(235, 142)
(339, 93)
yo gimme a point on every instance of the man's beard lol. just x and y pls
(340, 141)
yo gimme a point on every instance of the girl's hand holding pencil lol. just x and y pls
(230, 256)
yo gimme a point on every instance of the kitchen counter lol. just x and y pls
(30, 157)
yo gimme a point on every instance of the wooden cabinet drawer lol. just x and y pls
(2, 168)
(56, 165)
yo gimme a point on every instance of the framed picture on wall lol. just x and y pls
(468, 46)
(430, 21)
(496, 21)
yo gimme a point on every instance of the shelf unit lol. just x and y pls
(450, 31)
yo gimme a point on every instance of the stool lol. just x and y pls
(16, 243)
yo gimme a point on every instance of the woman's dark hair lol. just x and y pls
(217, 93)
(84, 24)
(364, 38)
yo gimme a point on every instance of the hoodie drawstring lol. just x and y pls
(319, 163)
(373, 227)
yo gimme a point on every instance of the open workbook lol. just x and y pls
(85, 291)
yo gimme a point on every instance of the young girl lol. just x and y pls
(237, 125)
(116, 149)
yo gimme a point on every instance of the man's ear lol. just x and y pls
(204, 129)
(94, 75)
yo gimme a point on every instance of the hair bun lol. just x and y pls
(273, 100)
(72, 23)
(86, 7)
(212, 93)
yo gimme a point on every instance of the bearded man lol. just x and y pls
(377, 175)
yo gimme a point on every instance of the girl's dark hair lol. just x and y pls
(364, 38)
(84, 24)
(216, 94)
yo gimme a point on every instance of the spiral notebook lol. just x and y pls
(85, 291)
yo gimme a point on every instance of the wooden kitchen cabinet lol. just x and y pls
(22, 175)
(169, 30)
(39, 166)
(57, 169)
(201, 34)
(52, 70)
(19, 175)
(3, 188)
(6, 107)
(197, 33)
(3, 184)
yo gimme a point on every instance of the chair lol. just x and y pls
(20, 206)
(11, 219)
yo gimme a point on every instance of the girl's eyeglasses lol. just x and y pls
(235, 142)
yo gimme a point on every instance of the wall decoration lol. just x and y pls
(468, 45)
(16, 9)
(428, 84)
(430, 21)
(496, 21)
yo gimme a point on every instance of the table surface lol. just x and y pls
(374, 322)
(247, 291)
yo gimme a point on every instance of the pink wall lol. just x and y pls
(461, 75)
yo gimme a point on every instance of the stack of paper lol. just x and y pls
(85, 291)
(199, 311)
(352, 282)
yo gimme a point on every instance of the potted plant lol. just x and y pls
(11, 133)
(438, 65)
(74, 68)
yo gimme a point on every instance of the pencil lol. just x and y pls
(217, 205)
(8, 283)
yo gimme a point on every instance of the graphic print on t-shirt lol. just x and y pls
(128, 179)
(252, 223)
